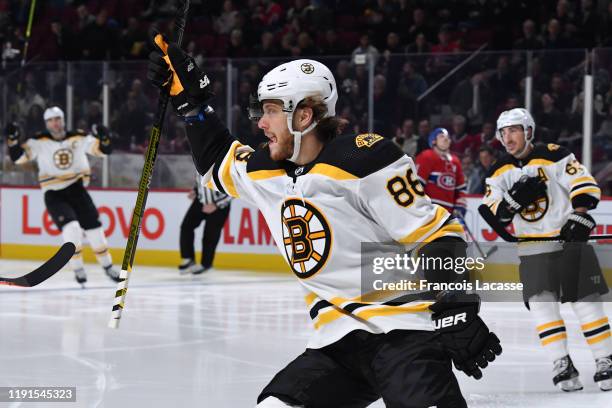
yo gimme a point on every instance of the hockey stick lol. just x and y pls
(45, 271)
(28, 33)
(145, 180)
(473, 238)
(494, 223)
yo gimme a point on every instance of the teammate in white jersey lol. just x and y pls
(544, 191)
(322, 195)
(63, 174)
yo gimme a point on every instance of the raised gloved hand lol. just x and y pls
(578, 227)
(12, 132)
(524, 192)
(464, 335)
(173, 69)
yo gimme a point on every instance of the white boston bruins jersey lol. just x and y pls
(61, 162)
(569, 184)
(359, 189)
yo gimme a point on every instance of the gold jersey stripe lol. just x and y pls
(332, 171)
(266, 174)
(502, 170)
(336, 313)
(552, 339)
(225, 171)
(545, 326)
(309, 298)
(584, 190)
(431, 226)
(594, 324)
(585, 179)
(543, 234)
(599, 338)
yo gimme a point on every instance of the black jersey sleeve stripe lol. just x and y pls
(579, 186)
(314, 311)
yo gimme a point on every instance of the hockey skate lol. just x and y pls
(190, 267)
(603, 375)
(112, 273)
(80, 276)
(566, 375)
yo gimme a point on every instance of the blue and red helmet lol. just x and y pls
(434, 134)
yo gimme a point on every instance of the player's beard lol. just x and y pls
(57, 135)
(282, 149)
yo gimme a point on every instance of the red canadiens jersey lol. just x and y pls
(443, 179)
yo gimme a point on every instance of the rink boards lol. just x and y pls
(27, 232)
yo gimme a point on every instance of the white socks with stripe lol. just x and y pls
(549, 324)
(595, 325)
(99, 245)
(71, 232)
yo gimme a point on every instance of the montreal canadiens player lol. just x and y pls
(441, 174)
(322, 195)
(544, 191)
(63, 174)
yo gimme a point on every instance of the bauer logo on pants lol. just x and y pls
(307, 237)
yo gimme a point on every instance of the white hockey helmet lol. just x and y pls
(53, 112)
(293, 82)
(516, 116)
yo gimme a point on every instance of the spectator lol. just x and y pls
(236, 48)
(130, 125)
(226, 22)
(305, 46)
(530, 40)
(266, 48)
(331, 45)
(406, 139)
(410, 86)
(424, 130)
(476, 181)
(561, 96)
(550, 121)
(133, 40)
(553, 39)
(419, 25)
(365, 49)
(445, 45)
(99, 41)
(64, 41)
(470, 98)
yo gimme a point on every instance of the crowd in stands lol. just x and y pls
(413, 45)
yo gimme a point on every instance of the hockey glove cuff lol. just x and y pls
(578, 227)
(12, 133)
(463, 334)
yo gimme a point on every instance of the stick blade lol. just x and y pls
(489, 217)
(46, 270)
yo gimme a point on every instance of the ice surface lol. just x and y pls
(216, 340)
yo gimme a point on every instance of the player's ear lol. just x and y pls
(305, 116)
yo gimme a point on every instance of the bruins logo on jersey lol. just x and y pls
(307, 237)
(367, 139)
(536, 210)
(62, 158)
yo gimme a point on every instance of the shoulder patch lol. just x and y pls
(367, 139)
(42, 135)
(258, 160)
(506, 162)
(552, 152)
(345, 153)
(76, 132)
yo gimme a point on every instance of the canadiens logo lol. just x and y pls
(447, 181)
(367, 139)
(536, 210)
(62, 158)
(307, 237)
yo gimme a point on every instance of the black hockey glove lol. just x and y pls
(103, 134)
(465, 336)
(171, 68)
(578, 227)
(12, 132)
(524, 192)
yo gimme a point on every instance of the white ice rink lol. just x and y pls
(216, 340)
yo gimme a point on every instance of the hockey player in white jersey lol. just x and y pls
(544, 191)
(63, 174)
(322, 195)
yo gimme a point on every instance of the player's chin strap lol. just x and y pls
(297, 136)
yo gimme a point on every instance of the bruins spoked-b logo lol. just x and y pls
(62, 158)
(536, 210)
(307, 237)
(307, 68)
